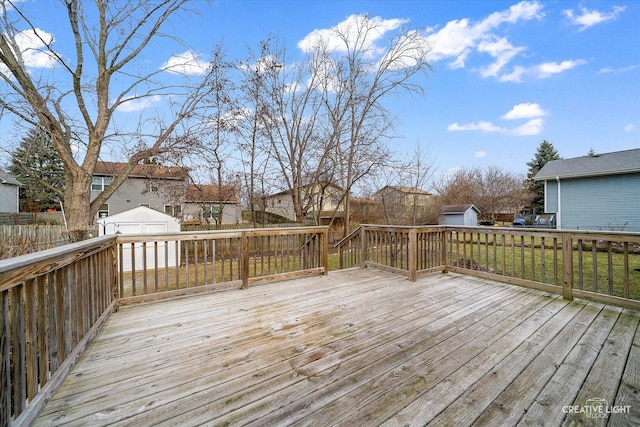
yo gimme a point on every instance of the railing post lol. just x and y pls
(113, 272)
(244, 260)
(363, 246)
(567, 266)
(444, 241)
(324, 248)
(412, 258)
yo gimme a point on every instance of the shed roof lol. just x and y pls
(615, 163)
(7, 178)
(457, 209)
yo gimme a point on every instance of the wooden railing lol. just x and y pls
(410, 251)
(154, 266)
(595, 265)
(54, 302)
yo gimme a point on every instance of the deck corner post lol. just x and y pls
(113, 276)
(363, 246)
(412, 258)
(567, 266)
(325, 250)
(244, 260)
(444, 241)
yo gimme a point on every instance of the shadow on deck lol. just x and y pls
(359, 347)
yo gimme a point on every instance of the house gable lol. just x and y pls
(598, 192)
(161, 188)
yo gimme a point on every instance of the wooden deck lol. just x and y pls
(358, 347)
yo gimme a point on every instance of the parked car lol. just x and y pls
(535, 221)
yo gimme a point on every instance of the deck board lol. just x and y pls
(356, 347)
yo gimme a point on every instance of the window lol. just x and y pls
(146, 205)
(211, 211)
(103, 211)
(173, 210)
(99, 183)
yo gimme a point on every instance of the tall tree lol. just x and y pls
(74, 98)
(544, 154)
(358, 77)
(37, 165)
(290, 119)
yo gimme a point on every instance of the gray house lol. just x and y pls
(464, 215)
(8, 192)
(594, 192)
(162, 188)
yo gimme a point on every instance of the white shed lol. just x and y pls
(143, 220)
(464, 215)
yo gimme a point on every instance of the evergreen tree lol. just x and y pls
(37, 165)
(546, 152)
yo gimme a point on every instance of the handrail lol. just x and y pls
(574, 263)
(54, 302)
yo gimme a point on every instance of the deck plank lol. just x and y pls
(359, 346)
(629, 391)
(605, 374)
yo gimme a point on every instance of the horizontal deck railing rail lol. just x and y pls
(603, 266)
(53, 302)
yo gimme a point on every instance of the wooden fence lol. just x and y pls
(18, 240)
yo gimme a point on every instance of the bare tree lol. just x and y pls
(75, 99)
(253, 150)
(501, 192)
(356, 81)
(492, 191)
(291, 123)
(216, 144)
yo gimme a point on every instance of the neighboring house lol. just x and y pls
(9, 195)
(462, 215)
(204, 204)
(404, 205)
(162, 188)
(594, 192)
(320, 200)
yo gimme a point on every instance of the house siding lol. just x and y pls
(599, 203)
(551, 197)
(135, 192)
(8, 198)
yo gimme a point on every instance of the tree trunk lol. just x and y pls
(77, 206)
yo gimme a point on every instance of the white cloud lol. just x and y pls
(478, 126)
(618, 70)
(525, 111)
(138, 104)
(500, 49)
(350, 29)
(33, 47)
(541, 71)
(186, 63)
(629, 128)
(532, 127)
(458, 38)
(586, 18)
(531, 111)
(480, 154)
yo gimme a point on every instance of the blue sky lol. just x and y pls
(506, 75)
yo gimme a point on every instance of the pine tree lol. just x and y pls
(37, 165)
(546, 152)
